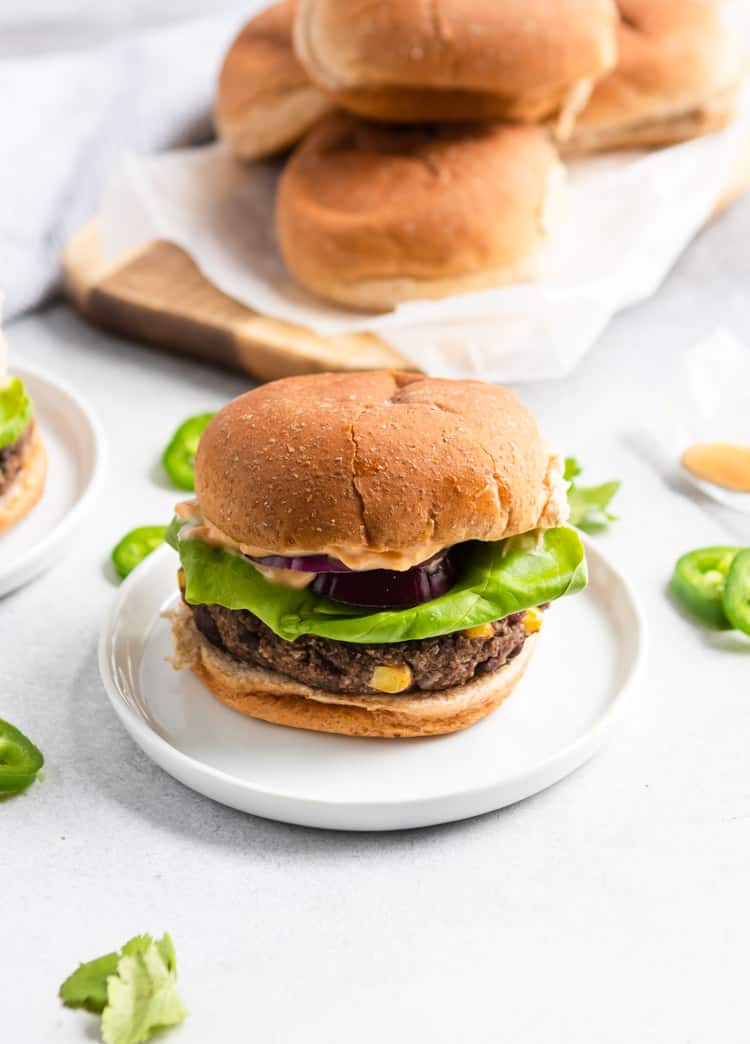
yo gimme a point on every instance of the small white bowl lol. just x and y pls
(712, 404)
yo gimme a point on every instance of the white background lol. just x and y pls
(612, 908)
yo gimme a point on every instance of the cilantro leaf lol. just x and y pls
(588, 504)
(87, 986)
(165, 946)
(135, 990)
(142, 997)
(138, 944)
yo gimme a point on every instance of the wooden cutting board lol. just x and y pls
(158, 295)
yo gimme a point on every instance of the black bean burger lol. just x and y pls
(370, 553)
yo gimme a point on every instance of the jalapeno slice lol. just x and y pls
(737, 592)
(178, 458)
(20, 760)
(698, 583)
(135, 546)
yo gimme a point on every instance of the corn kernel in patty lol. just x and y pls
(391, 679)
(485, 630)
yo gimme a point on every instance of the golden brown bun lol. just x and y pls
(274, 697)
(406, 60)
(677, 77)
(423, 105)
(378, 469)
(28, 485)
(370, 215)
(265, 102)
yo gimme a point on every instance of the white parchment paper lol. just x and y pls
(627, 219)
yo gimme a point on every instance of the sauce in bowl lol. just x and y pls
(723, 464)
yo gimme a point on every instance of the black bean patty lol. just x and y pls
(11, 458)
(435, 663)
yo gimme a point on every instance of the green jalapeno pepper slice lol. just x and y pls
(737, 592)
(135, 546)
(178, 458)
(20, 760)
(698, 584)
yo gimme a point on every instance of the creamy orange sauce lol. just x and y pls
(199, 529)
(557, 510)
(187, 509)
(293, 578)
(722, 464)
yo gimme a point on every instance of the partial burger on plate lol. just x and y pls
(23, 458)
(370, 554)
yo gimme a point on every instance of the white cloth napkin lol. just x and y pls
(66, 119)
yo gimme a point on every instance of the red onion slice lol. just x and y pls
(303, 563)
(388, 588)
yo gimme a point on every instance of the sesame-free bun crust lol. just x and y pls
(677, 77)
(379, 469)
(265, 101)
(28, 485)
(370, 215)
(404, 60)
(275, 698)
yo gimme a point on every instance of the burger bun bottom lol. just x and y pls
(275, 698)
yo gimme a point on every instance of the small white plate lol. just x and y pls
(586, 661)
(75, 465)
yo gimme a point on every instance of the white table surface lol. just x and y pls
(612, 908)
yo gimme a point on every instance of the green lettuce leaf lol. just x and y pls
(135, 990)
(497, 579)
(588, 504)
(15, 411)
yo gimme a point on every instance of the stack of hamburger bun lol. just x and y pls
(427, 135)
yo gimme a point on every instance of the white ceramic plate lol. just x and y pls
(560, 714)
(75, 464)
